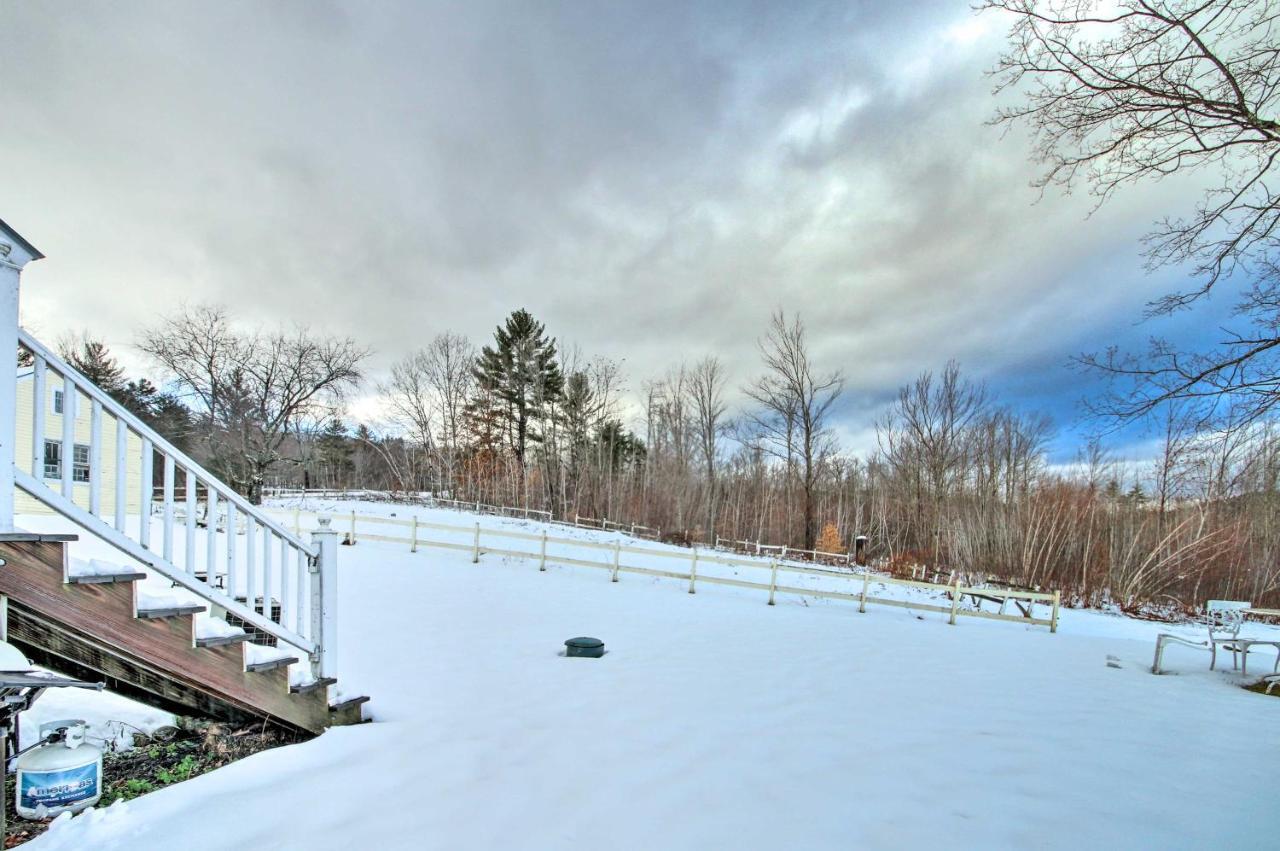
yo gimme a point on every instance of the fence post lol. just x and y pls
(297, 523)
(773, 578)
(542, 553)
(693, 571)
(617, 549)
(324, 599)
(955, 600)
(1053, 620)
(866, 579)
(353, 528)
(784, 552)
(413, 536)
(475, 548)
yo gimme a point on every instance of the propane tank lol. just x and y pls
(62, 775)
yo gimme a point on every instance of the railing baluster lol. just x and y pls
(211, 536)
(122, 473)
(266, 572)
(233, 551)
(68, 455)
(95, 458)
(190, 487)
(300, 592)
(250, 560)
(168, 508)
(284, 581)
(147, 492)
(38, 403)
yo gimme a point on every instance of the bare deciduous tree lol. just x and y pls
(793, 403)
(254, 389)
(705, 389)
(1138, 90)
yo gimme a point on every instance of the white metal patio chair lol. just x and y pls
(1225, 619)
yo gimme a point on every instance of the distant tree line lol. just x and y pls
(956, 481)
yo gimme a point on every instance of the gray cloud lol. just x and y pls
(651, 180)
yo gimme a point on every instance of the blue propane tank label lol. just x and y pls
(58, 788)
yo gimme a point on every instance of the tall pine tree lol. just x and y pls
(519, 379)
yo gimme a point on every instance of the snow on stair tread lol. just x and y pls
(155, 596)
(261, 654)
(208, 626)
(91, 569)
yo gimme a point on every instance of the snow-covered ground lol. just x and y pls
(715, 721)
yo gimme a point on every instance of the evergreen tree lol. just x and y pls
(621, 448)
(336, 452)
(519, 378)
(92, 359)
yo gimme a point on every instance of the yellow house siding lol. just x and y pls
(24, 503)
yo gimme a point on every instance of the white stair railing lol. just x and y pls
(247, 564)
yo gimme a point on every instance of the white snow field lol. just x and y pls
(717, 722)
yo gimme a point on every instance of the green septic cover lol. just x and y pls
(584, 642)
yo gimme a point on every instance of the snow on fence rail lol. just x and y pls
(859, 582)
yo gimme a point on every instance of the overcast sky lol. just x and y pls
(651, 180)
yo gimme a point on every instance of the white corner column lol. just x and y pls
(14, 254)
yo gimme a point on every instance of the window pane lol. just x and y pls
(57, 401)
(52, 459)
(80, 463)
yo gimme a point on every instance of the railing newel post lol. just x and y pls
(324, 596)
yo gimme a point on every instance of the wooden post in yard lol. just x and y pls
(773, 578)
(955, 600)
(860, 549)
(1053, 620)
(353, 527)
(413, 536)
(617, 550)
(866, 579)
(297, 522)
(542, 552)
(693, 572)
(475, 548)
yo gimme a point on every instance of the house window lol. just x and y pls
(80, 463)
(53, 461)
(57, 401)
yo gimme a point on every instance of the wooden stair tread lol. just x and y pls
(271, 665)
(103, 579)
(348, 703)
(222, 640)
(315, 685)
(172, 611)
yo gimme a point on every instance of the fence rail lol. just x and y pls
(356, 528)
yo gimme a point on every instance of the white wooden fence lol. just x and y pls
(479, 541)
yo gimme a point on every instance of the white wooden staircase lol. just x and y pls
(226, 558)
